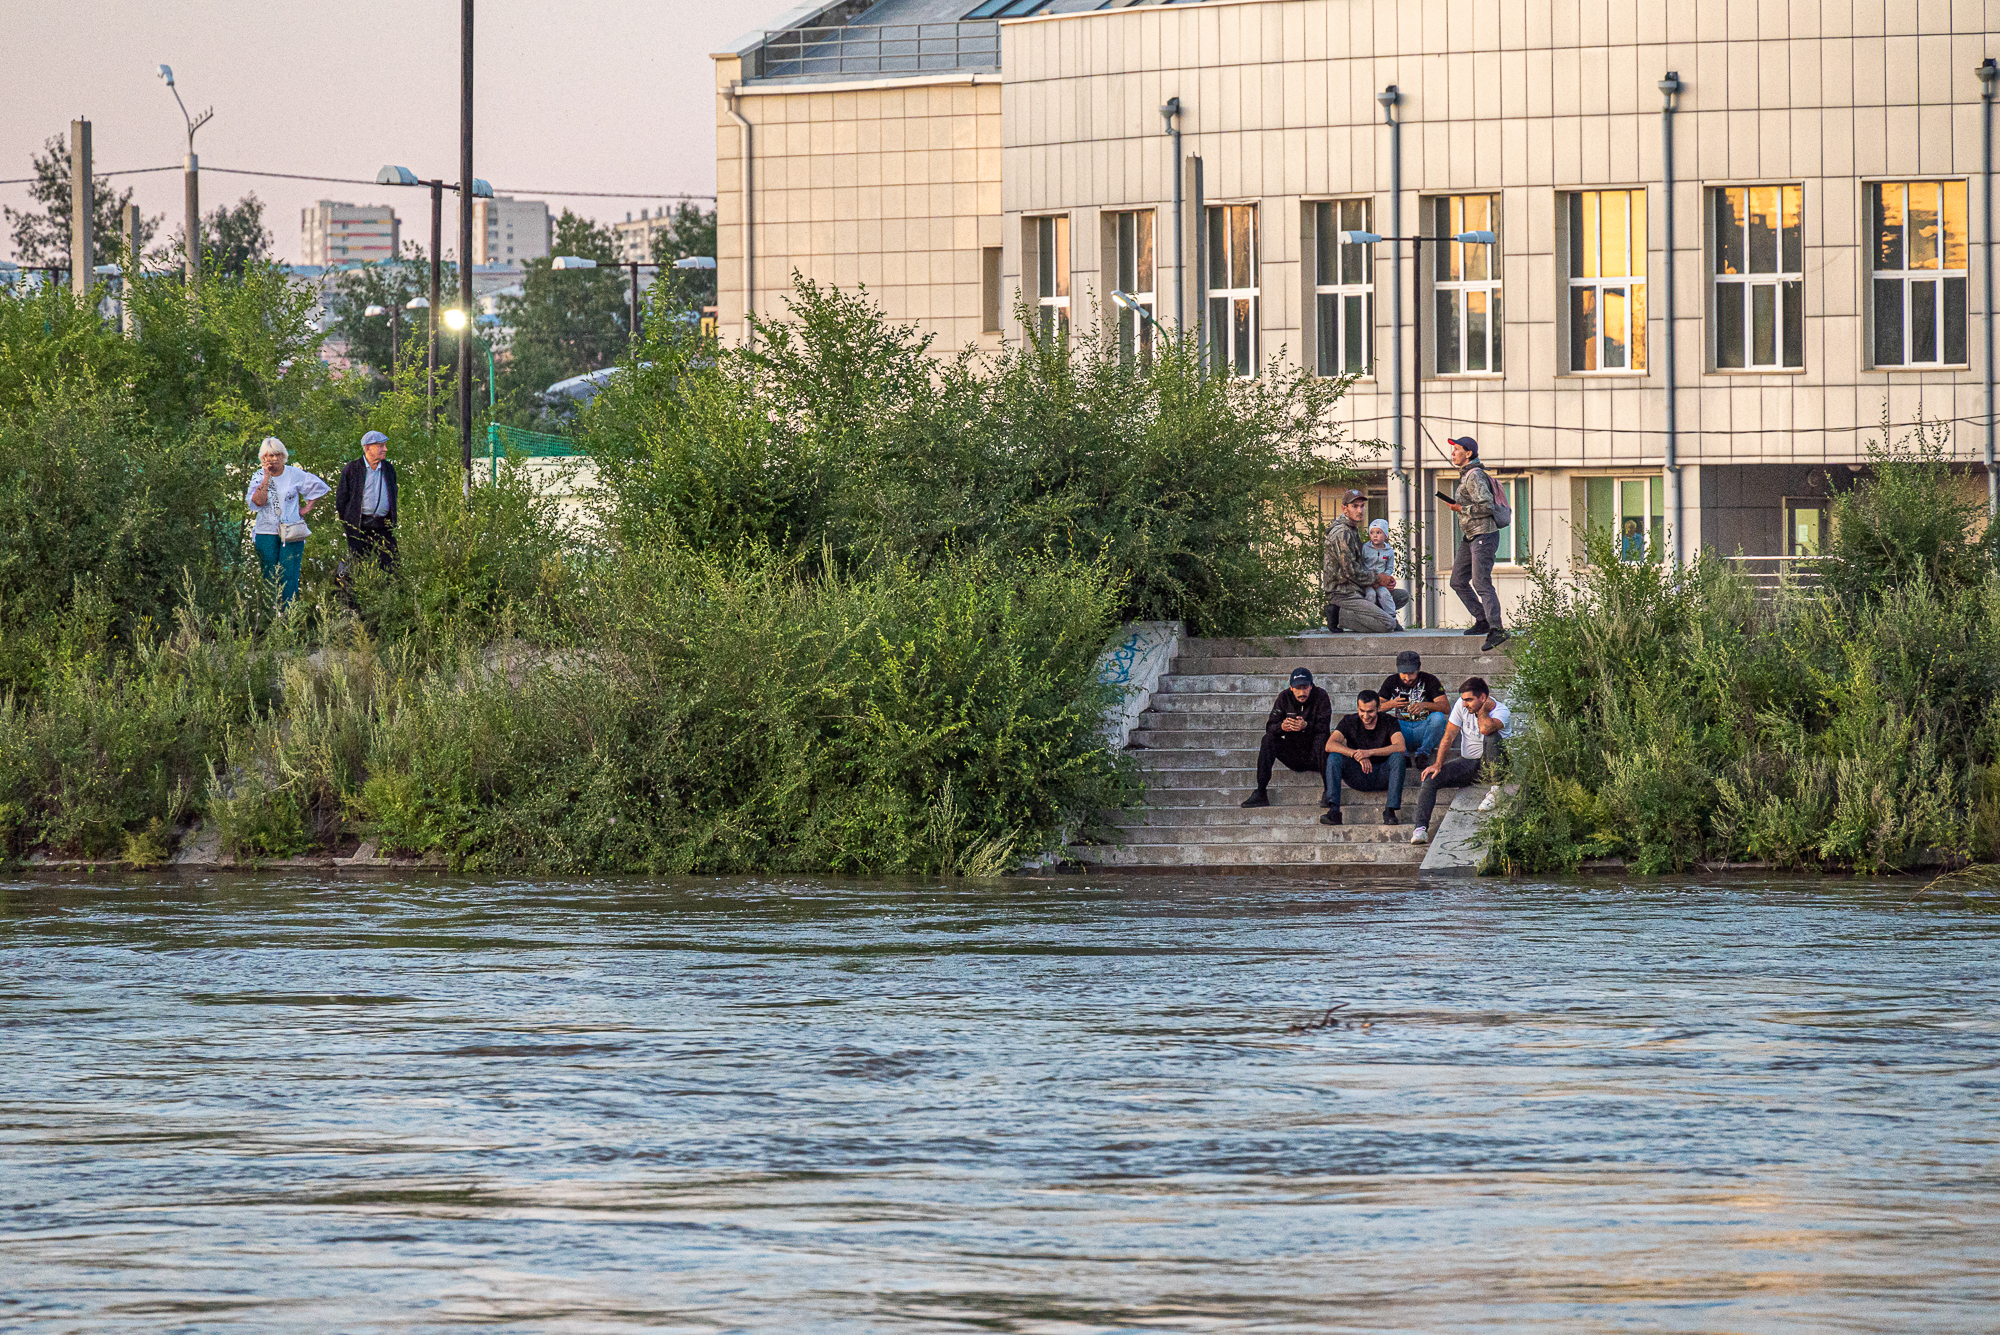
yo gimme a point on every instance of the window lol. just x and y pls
(1630, 509)
(1515, 545)
(989, 290)
(1232, 288)
(1052, 274)
(1467, 285)
(1607, 280)
(1919, 260)
(1760, 317)
(1343, 288)
(1134, 240)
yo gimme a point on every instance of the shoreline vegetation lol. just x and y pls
(842, 613)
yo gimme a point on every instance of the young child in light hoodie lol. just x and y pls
(1380, 559)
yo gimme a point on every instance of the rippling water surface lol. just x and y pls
(1062, 1106)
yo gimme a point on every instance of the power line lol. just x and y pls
(128, 171)
(357, 180)
(1685, 431)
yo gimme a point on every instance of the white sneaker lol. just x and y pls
(1421, 835)
(1491, 800)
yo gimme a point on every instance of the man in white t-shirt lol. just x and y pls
(1478, 723)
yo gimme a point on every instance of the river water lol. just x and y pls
(1063, 1105)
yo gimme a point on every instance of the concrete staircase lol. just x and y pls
(1196, 744)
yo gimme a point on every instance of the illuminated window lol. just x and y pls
(1135, 236)
(1467, 285)
(1919, 262)
(1760, 318)
(1052, 273)
(1343, 288)
(1607, 280)
(1232, 289)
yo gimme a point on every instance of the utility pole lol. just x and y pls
(465, 236)
(82, 211)
(130, 226)
(193, 176)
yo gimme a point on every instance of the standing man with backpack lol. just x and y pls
(1482, 513)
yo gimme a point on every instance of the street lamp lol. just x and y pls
(1417, 244)
(192, 175)
(579, 262)
(395, 332)
(480, 190)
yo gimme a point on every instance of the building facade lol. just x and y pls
(506, 230)
(1674, 358)
(335, 233)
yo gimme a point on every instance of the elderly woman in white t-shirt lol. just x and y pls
(281, 495)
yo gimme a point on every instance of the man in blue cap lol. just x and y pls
(1295, 732)
(366, 503)
(1482, 513)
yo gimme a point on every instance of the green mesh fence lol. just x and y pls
(521, 443)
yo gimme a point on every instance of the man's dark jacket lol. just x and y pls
(1317, 710)
(354, 486)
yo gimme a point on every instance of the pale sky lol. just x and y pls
(614, 95)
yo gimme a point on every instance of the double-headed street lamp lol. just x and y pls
(480, 190)
(1417, 244)
(192, 175)
(579, 262)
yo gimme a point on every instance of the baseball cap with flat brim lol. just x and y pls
(1302, 677)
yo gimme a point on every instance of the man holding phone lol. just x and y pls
(1478, 542)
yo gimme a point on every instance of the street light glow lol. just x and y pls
(454, 318)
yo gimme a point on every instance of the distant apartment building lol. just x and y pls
(1676, 352)
(332, 232)
(506, 230)
(637, 235)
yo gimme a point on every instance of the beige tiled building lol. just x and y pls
(1828, 251)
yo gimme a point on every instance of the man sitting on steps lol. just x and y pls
(1416, 699)
(1295, 733)
(1479, 725)
(1365, 751)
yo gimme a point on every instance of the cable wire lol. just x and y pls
(357, 180)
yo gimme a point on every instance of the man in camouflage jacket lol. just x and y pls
(1344, 578)
(1478, 543)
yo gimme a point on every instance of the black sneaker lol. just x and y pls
(1389, 816)
(1257, 799)
(1479, 628)
(1326, 801)
(1330, 818)
(1420, 762)
(1494, 641)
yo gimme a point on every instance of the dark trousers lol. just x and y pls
(1387, 778)
(1472, 578)
(1301, 752)
(1455, 773)
(372, 540)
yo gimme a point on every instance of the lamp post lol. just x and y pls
(480, 190)
(579, 262)
(1417, 244)
(1138, 308)
(395, 333)
(192, 176)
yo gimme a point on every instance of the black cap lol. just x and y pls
(1302, 677)
(1408, 661)
(1466, 443)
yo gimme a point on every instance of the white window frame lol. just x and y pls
(1136, 280)
(1052, 274)
(1652, 511)
(1785, 283)
(1596, 270)
(1907, 278)
(1233, 314)
(1454, 260)
(1343, 290)
(1517, 539)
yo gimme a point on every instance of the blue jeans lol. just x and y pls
(1388, 777)
(282, 558)
(1422, 737)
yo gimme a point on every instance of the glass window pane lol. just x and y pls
(1239, 245)
(1792, 249)
(1614, 257)
(1324, 235)
(1592, 248)
(1763, 231)
(1600, 514)
(1576, 235)
(1478, 259)
(1329, 334)
(1763, 324)
(1368, 333)
(1499, 324)
(1614, 328)
(1954, 224)
(1218, 335)
(1638, 269)
(1794, 301)
(1632, 520)
(1729, 231)
(1583, 329)
(1062, 255)
(1729, 325)
(1953, 300)
(1142, 223)
(1888, 226)
(1244, 355)
(1888, 322)
(1638, 326)
(1475, 331)
(1045, 257)
(1354, 356)
(1218, 251)
(1523, 521)
(1445, 265)
(1923, 320)
(1923, 227)
(1447, 331)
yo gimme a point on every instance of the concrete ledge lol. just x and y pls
(1455, 849)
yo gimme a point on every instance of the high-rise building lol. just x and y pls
(337, 233)
(506, 230)
(636, 235)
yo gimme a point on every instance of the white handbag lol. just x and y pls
(293, 532)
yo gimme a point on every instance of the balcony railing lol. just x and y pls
(878, 48)
(1767, 573)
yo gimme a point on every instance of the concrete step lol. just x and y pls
(1265, 686)
(1360, 808)
(1221, 857)
(1303, 832)
(1447, 668)
(1320, 642)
